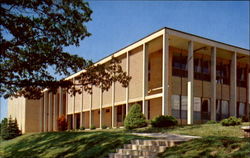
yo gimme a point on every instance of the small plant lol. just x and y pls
(211, 122)
(62, 123)
(104, 127)
(164, 121)
(92, 127)
(231, 121)
(82, 128)
(135, 118)
(9, 129)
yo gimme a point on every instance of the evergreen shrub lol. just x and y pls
(62, 123)
(9, 129)
(135, 118)
(163, 121)
(231, 121)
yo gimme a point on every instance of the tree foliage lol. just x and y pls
(33, 35)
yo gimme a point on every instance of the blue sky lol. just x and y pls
(117, 24)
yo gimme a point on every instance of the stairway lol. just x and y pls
(144, 148)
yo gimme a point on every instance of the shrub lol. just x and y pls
(92, 127)
(245, 118)
(211, 122)
(164, 121)
(135, 118)
(62, 123)
(231, 121)
(82, 128)
(104, 127)
(9, 129)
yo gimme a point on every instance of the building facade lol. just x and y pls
(173, 73)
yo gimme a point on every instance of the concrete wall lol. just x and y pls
(155, 107)
(17, 109)
(32, 117)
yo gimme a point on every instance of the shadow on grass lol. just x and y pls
(67, 144)
(211, 146)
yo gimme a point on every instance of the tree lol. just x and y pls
(9, 129)
(62, 123)
(135, 118)
(33, 35)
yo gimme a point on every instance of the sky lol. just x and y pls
(117, 24)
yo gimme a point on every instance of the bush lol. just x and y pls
(135, 118)
(92, 127)
(62, 123)
(211, 122)
(164, 121)
(82, 128)
(9, 129)
(231, 121)
(104, 127)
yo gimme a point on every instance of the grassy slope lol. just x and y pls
(216, 141)
(65, 144)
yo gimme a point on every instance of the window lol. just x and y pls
(119, 113)
(184, 107)
(197, 108)
(205, 109)
(241, 77)
(223, 73)
(175, 102)
(222, 109)
(240, 109)
(179, 65)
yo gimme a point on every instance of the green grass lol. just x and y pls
(211, 146)
(199, 130)
(216, 141)
(65, 144)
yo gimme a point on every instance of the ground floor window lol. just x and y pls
(77, 120)
(240, 109)
(222, 109)
(70, 121)
(179, 106)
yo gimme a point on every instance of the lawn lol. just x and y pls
(216, 141)
(65, 144)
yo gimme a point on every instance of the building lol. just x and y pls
(195, 79)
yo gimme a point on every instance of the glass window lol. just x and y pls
(224, 109)
(175, 101)
(197, 108)
(241, 109)
(205, 109)
(184, 107)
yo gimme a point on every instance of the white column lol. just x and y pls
(90, 111)
(113, 105)
(165, 60)
(41, 113)
(213, 83)
(127, 88)
(50, 120)
(74, 104)
(145, 80)
(101, 118)
(55, 112)
(81, 113)
(45, 116)
(233, 85)
(190, 98)
(61, 101)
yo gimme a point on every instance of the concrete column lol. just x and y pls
(101, 118)
(213, 83)
(113, 105)
(45, 116)
(248, 92)
(190, 86)
(127, 88)
(90, 112)
(50, 110)
(145, 80)
(61, 104)
(55, 112)
(165, 60)
(233, 85)
(41, 113)
(74, 116)
(81, 113)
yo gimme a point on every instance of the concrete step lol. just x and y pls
(136, 152)
(117, 155)
(145, 147)
(167, 143)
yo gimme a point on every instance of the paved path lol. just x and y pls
(168, 136)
